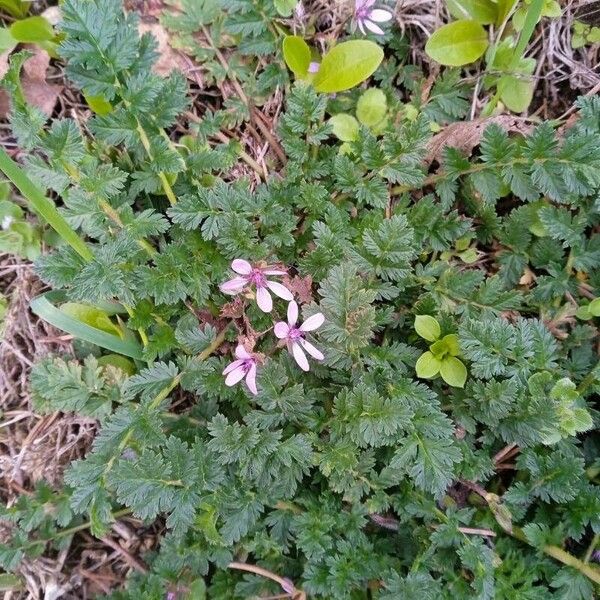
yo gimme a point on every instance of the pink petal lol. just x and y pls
(235, 376)
(292, 312)
(314, 352)
(281, 330)
(313, 322)
(273, 271)
(234, 365)
(280, 290)
(300, 357)
(251, 380)
(243, 267)
(380, 16)
(233, 286)
(361, 26)
(374, 28)
(241, 352)
(263, 299)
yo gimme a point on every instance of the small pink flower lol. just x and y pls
(244, 366)
(249, 275)
(314, 67)
(294, 336)
(367, 16)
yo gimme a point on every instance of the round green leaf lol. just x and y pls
(345, 127)
(594, 307)
(482, 11)
(116, 360)
(285, 7)
(583, 313)
(296, 54)
(516, 93)
(458, 43)
(7, 41)
(31, 30)
(371, 107)
(427, 366)
(427, 327)
(453, 372)
(347, 65)
(197, 590)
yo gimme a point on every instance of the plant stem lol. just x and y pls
(591, 548)
(71, 530)
(43, 206)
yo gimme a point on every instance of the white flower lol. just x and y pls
(367, 16)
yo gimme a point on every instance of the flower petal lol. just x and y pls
(280, 290)
(241, 352)
(374, 28)
(300, 357)
(292, 312)
(233, 286)
(379, 15)
(281, 329)
(251, 379)
(361, 26)
(263, 299)
(313, 322)
(235, 376)
(241, 266)
(314, 352)
(273, 271)
(234, 365)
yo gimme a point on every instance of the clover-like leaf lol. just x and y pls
(453, 371)
(459, 43)
(428, 366)
(427, 327)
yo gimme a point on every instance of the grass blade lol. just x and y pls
(42, 306)
(42, 205)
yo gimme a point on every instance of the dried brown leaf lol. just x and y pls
(37, 90)
(466, 135)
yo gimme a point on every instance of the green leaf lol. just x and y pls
(43, 308)
(371, 107)
(98, 104)
(285, 7)
(32, 30)
(296, 54)
(583, 313)
(92, 316)
(482, 11)
(347, 65)
(345, 127)
(42, 205)
(594, 307)
(515, 92)
(428, 365)
(427, 327)
(7, 41)
(459, 43)
(10, 583)
(197, 590)
(453, 372)
(16, 8)
(452, 343)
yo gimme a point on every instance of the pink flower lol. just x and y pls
(244, 366)
(367, 16)
(294, 336)
(249, 275)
